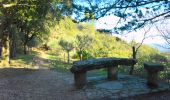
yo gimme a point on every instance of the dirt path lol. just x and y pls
(41, 84)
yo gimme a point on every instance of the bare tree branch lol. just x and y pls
(144, 37)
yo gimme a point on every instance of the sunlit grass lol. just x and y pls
(61, 66)
(21, 61)
(26, 61)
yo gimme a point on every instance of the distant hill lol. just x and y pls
(167, 54)
(161, 49)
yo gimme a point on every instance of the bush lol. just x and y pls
(158, 58)
(86, 55)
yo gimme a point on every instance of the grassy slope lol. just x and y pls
(27, 61)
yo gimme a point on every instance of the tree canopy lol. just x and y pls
(133, 14)
(30, 19)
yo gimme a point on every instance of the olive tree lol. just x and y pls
(67, 46)
(82, 42)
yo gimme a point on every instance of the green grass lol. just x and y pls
(22, 61)
(61, 66)
(97, 72)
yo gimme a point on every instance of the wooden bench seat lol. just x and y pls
(80, 68)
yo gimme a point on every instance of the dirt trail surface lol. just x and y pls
(38, 85)
(41, 84)
(46, 84)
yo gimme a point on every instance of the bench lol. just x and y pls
(152, 73)
(80, 68)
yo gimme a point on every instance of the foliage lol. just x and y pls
(133, 14)
(31, 19)
(67, 46)
(60, 66)
(106, 45)
(99, 44)
(85, 54)
(82, 42)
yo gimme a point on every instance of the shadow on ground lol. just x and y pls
(14, 72)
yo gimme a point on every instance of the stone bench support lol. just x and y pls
(112, 73)
(153, 70)
(152, 79)
(80, 79)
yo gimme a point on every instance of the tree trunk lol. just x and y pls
(134, 52)
(64, 56)
(13, 49)
(68, 59)
(81, 56)
(5, 32)
(6, 50)
(25, 49)
(28, 50)
(0, 50)
(26, 42)
(134, 57)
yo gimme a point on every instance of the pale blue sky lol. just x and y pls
(153, 37)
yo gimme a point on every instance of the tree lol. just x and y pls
(133, 14)
(14, 16)
(13, 42)
(29, 18)
(82, 42)
(67, 46)
(5, 35)
(136, 46)
(165, 32)
(0, 51)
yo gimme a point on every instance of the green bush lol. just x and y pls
(85, 54)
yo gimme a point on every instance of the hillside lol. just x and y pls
(100, 44)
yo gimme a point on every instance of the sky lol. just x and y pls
(153, 36)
